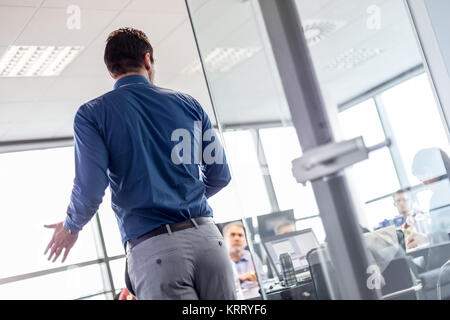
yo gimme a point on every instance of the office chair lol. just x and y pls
(435, 257)
(401, 239)
(400, 283)
(321, 271)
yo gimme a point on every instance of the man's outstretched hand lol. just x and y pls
(61, 239)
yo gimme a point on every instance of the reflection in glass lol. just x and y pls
(368, 53)
(370, 69)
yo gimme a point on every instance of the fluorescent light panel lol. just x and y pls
(223, 59)
(317, 30)
(353, 58)
(37, 61)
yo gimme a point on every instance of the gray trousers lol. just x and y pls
(190, 264)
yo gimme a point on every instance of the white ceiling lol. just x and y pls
(33, 108)
(251, 91)
(38, 108)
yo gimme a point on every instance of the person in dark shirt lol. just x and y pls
(160, 156)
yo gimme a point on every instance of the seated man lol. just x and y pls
(402, 202)
(234, 236)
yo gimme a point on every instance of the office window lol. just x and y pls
(71, 284)
(415, 120)
(246, 195)
(281, 146)
(35, 188)
(315, 224)
(376, 176)
(101, 296)
(118, 273)
(379, 210)
(110, 228)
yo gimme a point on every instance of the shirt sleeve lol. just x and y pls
(216, 174)
(91, 164)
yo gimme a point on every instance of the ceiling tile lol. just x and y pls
(89, 63)
(156, 26)
(12, 21)
(21, 3)
(17, 89)
(2, 50)
(80, 89)
(178, 51)
(87, 4)
(48, 27)
(158, 6)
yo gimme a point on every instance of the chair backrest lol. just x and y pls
(437, 255)
(401, 239)
(397, 277)
(322, 274)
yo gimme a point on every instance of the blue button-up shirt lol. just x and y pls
(245, 264)
(125, 138)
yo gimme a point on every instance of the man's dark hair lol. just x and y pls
(125, 51)
(400, 191)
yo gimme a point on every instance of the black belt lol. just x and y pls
(172, 227)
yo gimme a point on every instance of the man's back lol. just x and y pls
(158, 152)
(131, 133)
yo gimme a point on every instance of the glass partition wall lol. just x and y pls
(44, 77)
(373, 83)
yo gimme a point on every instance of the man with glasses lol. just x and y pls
(402, 202)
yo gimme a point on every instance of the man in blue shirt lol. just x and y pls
(160, 156)
(234, 235)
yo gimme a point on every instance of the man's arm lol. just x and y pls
(91, 163)
(216, 174)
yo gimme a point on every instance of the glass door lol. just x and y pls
(370, 68)
(286, 77)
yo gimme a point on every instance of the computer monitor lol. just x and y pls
(249, 222)
(297, 244)
(268, 222)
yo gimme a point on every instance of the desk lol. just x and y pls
(303, 291)
(418, 249)
(251, 293)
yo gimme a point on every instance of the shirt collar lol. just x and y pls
(131, 79)
(245, 256)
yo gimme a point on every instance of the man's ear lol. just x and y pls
(112, 75)
(147, 62)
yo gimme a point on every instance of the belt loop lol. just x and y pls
(168, 229)
(194, 223)
(127, 248)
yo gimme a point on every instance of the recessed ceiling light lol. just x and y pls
(37, 61)
(352, 58)
(222, 59)
(317, 30)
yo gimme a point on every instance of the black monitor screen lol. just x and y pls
(268, 222)
(250, 232)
